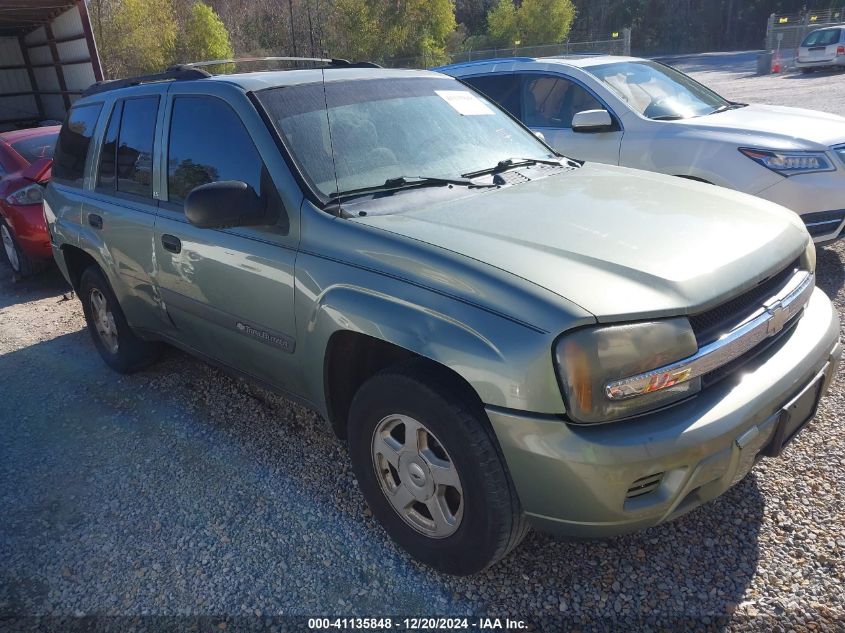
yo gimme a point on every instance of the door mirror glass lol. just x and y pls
(225, 204)
(592, 121)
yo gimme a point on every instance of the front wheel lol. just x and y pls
(117, 344)
(429, 467)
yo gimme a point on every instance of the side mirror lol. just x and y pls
(224, 204)
(592, 121)
(540, 136)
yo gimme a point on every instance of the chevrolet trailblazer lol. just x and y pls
(505, 337)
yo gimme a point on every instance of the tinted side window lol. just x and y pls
(135, 146)
(552, 101)
(208, 143)
(72, 146)
(503, 89)
(108, 154)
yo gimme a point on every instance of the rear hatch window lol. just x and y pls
(821, 38)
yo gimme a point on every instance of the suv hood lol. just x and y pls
(621, 243)
(787, 127)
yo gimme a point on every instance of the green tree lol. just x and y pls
(534, 22)
(204, 37)
(375, 30)
(545, 21)
(143, 36)
(503, 24)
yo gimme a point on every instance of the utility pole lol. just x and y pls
(292, 33)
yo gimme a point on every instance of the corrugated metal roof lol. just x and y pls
(18, 17)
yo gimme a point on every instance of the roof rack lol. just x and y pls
(331, 62)
(174, 73)
(194, 70)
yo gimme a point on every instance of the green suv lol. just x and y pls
(504, 337)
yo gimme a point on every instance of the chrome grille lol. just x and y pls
(710, 325)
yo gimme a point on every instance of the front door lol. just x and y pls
(228, 293)
(549, 102)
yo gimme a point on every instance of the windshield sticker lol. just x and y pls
(464, 102)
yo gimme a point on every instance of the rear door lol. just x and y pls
(228, 293)
(119, 214)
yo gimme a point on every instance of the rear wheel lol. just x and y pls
(18, 260)
(117, 344)
(429, 467)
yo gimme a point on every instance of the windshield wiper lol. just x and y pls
(668, 117)
(729, 106)
(404, 182)
(510, 163)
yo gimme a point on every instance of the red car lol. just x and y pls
(26, 158)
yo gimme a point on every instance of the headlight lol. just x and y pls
(589, 359)
(808, 259)
(31, 194)
(789, 163)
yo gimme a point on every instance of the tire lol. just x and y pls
(20, 263)
(487, 521)
(117, 344)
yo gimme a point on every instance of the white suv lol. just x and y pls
(822, 49)
(644, 114)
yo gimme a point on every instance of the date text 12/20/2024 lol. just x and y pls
(417, 624)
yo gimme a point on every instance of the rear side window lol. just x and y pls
(208, 143)
(126, 159)
(503, 89)
(135, 146)
(73, 144)
(108, 154)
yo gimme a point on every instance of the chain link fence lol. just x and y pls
(616, 43)
(785, 33)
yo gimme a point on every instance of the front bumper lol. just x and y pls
(818, 198)
(589, 481)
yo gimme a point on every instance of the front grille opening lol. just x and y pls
(644, 486)
(711, 324)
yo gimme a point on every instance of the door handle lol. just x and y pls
(95, 220)
(171, 243)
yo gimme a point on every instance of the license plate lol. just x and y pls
(795, 415)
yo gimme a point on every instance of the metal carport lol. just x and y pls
(47, 58)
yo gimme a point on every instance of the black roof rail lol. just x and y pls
(194, 70)
(174, 73)
(330, 62)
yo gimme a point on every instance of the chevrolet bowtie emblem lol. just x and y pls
(777, 319)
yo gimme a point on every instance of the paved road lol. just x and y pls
(180, 491)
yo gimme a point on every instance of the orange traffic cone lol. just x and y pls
(776, 63)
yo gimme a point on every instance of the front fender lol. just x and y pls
(508, 364)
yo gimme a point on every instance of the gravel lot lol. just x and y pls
(182, 492)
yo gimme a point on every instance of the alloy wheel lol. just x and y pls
(9, 247)
(104, 321)
(417, 476)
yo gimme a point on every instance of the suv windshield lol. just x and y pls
(657, 91)
(364, 133)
